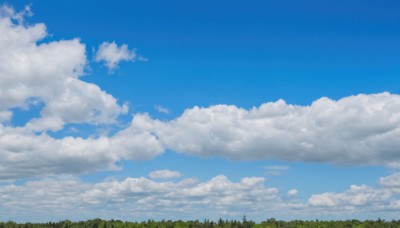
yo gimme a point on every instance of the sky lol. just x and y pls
(139, 110)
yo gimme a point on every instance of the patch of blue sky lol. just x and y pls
(22, 115)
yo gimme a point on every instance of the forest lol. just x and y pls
(244, 223)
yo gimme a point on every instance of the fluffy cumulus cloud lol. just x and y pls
(164, 174)
(141, 198)
(136, 198)
(392, 181)
(111, 54)
(49, 73)
(356, 130)
(25, 154)
(363, 199)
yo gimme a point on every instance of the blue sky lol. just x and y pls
(290, 107)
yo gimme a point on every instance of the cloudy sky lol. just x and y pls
(139, 110)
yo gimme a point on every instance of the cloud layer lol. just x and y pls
(219, 197)
(361, 199)
(25, 154)
(355, 130)
(135, 198)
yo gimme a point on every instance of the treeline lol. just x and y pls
(272, 223)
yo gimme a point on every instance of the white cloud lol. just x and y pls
(360, 199)
(48, 72)
(142, 198)
(293, 192)
(112, 55)
(355, 130)
(161, 109)
(392, 181)
(164, 174)
(136, 198)
(5, 116)
(25, 154)
(7, 11)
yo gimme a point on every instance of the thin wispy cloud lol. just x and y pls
(164, 174)
(275, 170)
(161, 109)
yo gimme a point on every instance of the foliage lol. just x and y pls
(270, 223)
